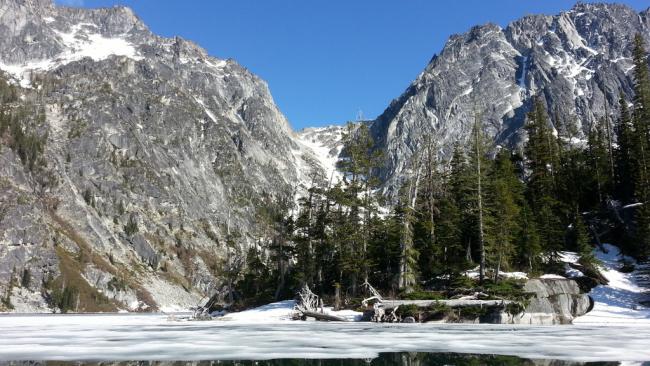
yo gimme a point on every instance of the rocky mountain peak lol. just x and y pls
(577, 60)
(34, 4)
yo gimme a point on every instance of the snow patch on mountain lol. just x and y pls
(207, 111)
(82, 41)
(524, 71)
(326, 144)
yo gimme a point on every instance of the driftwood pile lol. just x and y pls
(202, 312)
(385, 310)
(310, 305)
(378, 309)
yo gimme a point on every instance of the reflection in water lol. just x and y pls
(385, 359)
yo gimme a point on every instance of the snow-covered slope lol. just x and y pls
(620, 300)
(326, 144)
(81, 41)
(270, 313)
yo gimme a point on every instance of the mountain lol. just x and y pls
(136, 170)
(577, 62)
(154, 155)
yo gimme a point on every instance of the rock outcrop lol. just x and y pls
(556, 301)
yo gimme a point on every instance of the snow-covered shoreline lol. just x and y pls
(281, 311)
(618, 301)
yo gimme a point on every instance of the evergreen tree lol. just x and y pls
(480, 166)
(282, 252)
(641, 123)
(303, 239)
(641, 86)
(450, 248)
(597, 154)
(428, 210)
(582, 240)
(461, 191)
(542, 153)
(255, 286)
(385, 251)
(359, 168)
(624, 154)
(506, 199)
(324, 250)
(408, 254)
(542, 161)
(529, 247)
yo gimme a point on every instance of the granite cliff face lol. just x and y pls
(577, 62)
(156, 149)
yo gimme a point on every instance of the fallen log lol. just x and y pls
(454, 303)
(322, 316)
(309, 304)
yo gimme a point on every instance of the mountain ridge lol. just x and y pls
(162, 165)
(495, 71)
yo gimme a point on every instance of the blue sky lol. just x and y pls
(325, 60)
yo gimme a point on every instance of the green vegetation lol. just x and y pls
(510, 289)
(423, 295)
(131, 226)
(437, 311)
(23, 129)
(409, 310)
(117, 284)
(26, 278)
(71, 268)
(26, 143)
(472, 312)
(89, 197)
(64, 298)
(71, 292)
(5, 300)
(77, 127)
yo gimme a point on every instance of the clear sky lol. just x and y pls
(325, 60)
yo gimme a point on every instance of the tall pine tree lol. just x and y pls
(542, 163)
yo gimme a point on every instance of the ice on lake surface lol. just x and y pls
(157, 338)
(385, 359)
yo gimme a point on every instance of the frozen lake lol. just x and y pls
(157, 338)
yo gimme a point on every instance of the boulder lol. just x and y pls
(556, 301)
(146, 252)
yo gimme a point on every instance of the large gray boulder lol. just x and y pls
(555, 301)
